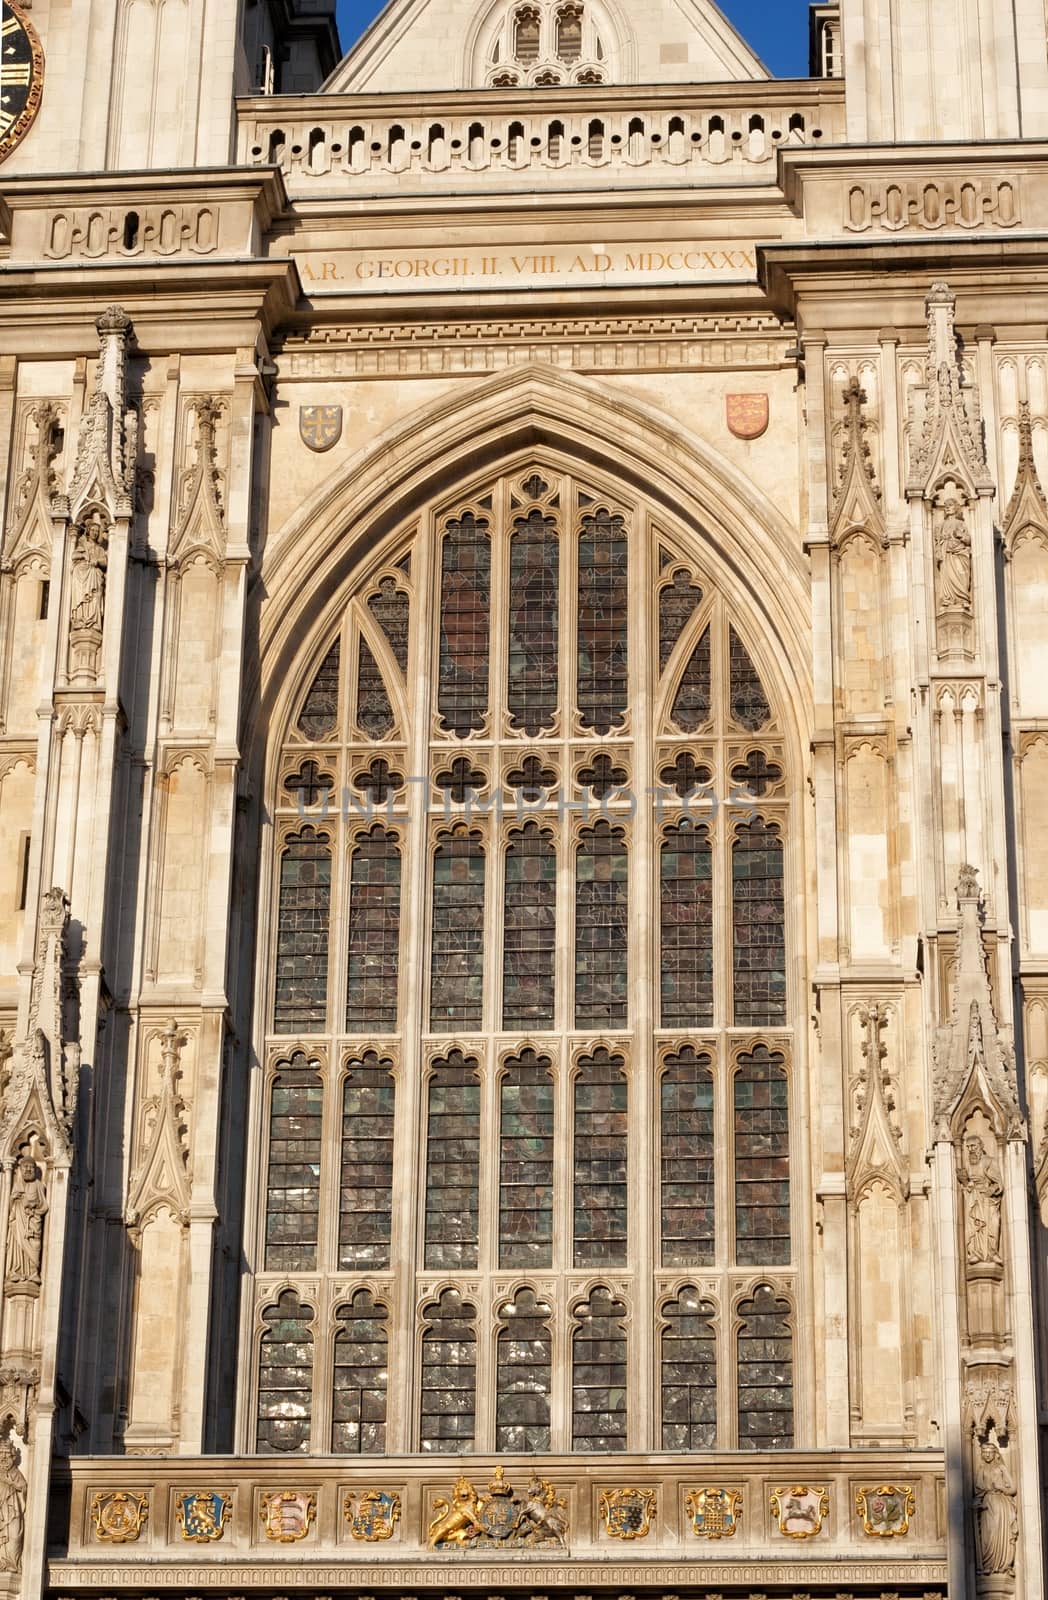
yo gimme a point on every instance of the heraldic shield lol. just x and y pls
(714, 1513)
(320, 426)
(373, 1514)
(202, 1516)
(748, 415)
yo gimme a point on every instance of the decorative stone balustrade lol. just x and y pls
(720, 133)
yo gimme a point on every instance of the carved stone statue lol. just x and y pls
(953, 559)
(25, 1227)
(88, 575)
(983, 1188)
(12, 1508)
(996, 1519)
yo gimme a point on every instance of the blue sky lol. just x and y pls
(776, 29)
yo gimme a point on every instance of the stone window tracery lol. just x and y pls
(528, 1000)
(547, 43)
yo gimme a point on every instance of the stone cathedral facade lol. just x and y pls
(523, 820)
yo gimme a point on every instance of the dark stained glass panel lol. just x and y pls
(765, 1373)
(447, 1424)
(391, 609)
(366, 1185)
(694, 698)
(601, 915)
(523, 1380)
(465, 611)
(762, 1160)
(360, 1378)
(533, 621)
(303, 914)
(457, 965)
(374, 713)
(758, 926)
(285, 1378)
(598, 1375)
(319, 715)
(678, 601)
(689, 1374)
(686, 1096)
(600, 1153)
(526, 1163)
(686, 910)
(529, 930)
(749, 703)
(603, 621)
(453, 1163)
(293, 1180)
(374, 933)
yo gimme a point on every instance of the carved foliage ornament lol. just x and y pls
(628, 1513)
(951, 434)
(800, 1511)
(119, 1515)
(503, 1518)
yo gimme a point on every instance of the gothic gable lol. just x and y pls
(428, 45)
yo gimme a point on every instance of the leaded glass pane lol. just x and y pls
(374, 712)
(601, 937)
(453, 1163)
(678, 601)
(526, 1163)
(686, 906)
(303, 913)
(457, 961)
(319, 716)
(447, 1424)
(366, 1187)
(296, 1104)
(758, 926)
(689, 1374)
(534, 597)
(600, 1162)
(361, 1378)
(374, 933)
(694, 698)
(465, 610)
(529, 929)
(686, 1102)
(603, 616)
(598, 1375)
(285, 1378)
(391, 609)
(765, 1373)
(749, 703)
(762, 1160)
(524, 1373)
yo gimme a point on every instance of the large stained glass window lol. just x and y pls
(522, 1118)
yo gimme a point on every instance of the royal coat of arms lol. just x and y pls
(202, 1516)
(748, 415)
(320, 427)
(287, 1514)
(714, 1513)
(886, 1511)
(501, 1519)
(627, 1513)
(373, 1514)
(800, 1511)
(119, 1516)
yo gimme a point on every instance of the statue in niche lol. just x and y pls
(983, 1189)
(996, 1519)
(88, 575)
(953, 559)
(12, 1508)
(25, 1227)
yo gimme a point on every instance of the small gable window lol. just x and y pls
(545, 42)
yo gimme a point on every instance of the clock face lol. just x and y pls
(21, 76)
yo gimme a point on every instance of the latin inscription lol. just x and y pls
(342, 270)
